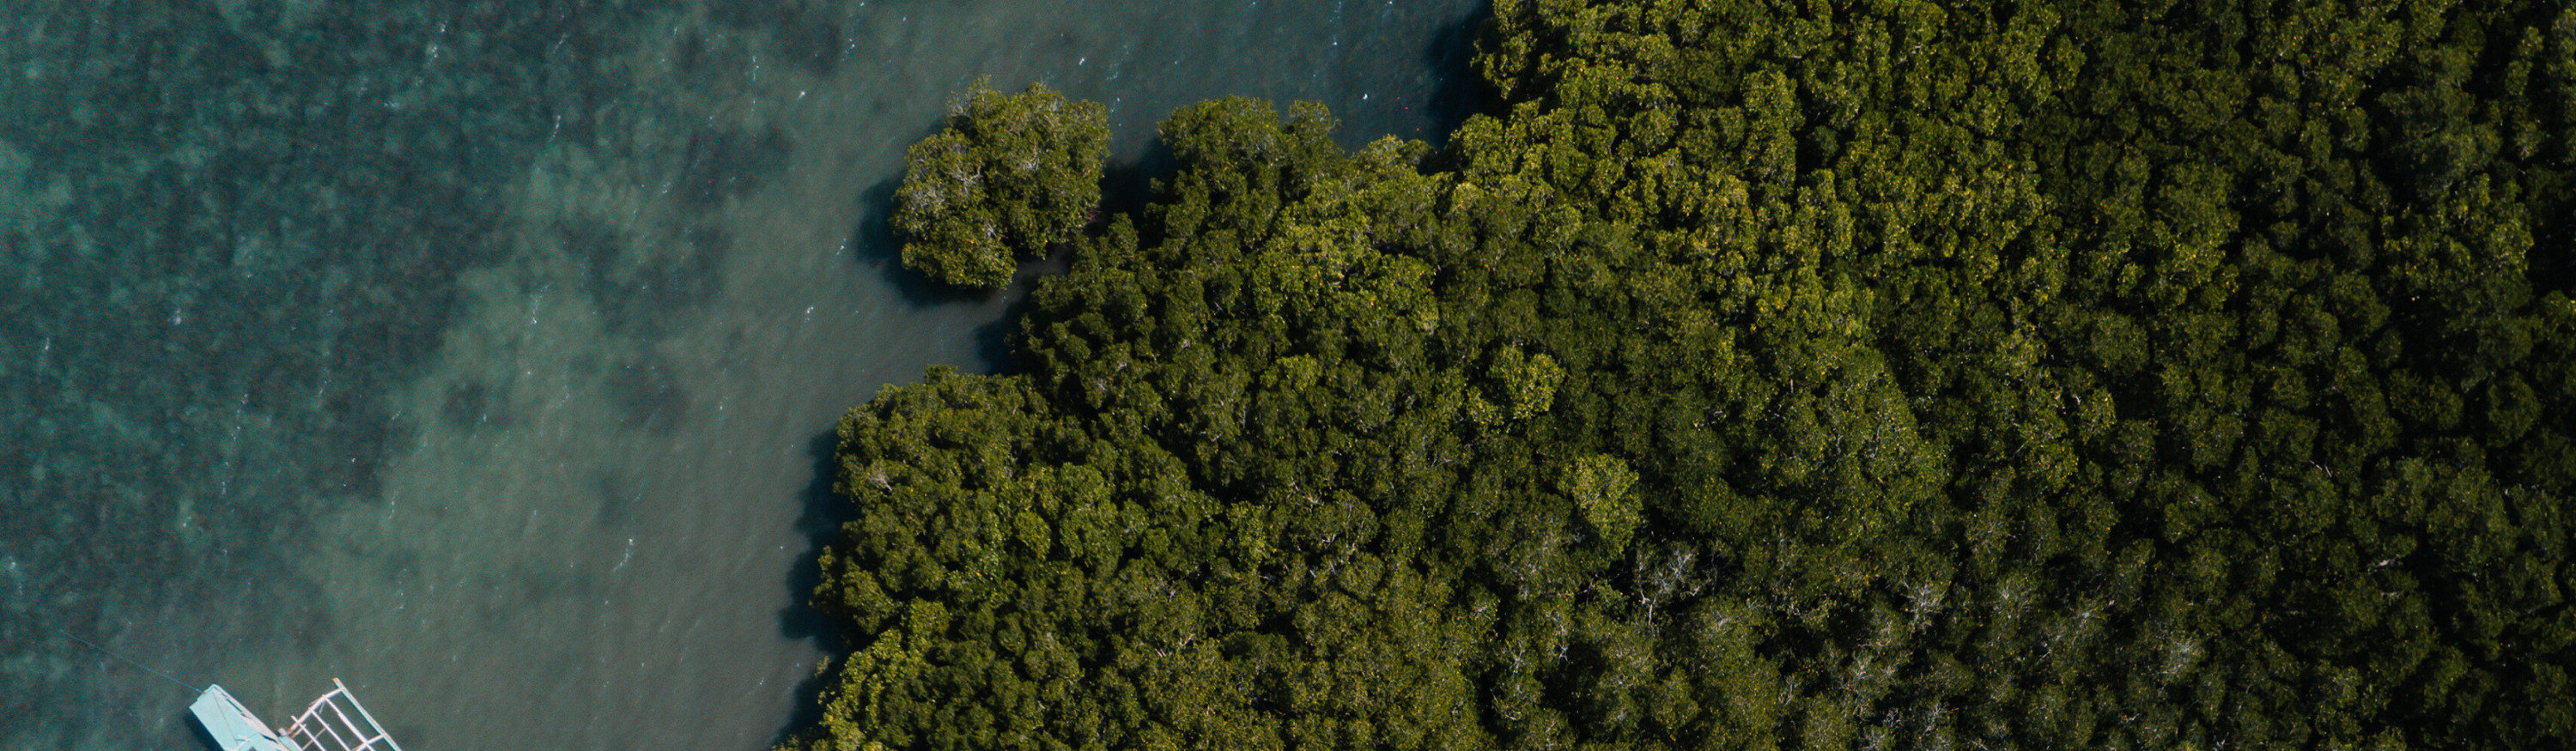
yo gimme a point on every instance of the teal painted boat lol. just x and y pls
(333, 722)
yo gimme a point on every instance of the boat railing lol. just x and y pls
(337, 722)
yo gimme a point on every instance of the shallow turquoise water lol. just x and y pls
(479, 354)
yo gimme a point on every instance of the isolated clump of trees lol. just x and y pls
(1010, 176)
(1811, 374)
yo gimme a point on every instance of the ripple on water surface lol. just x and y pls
(481, 353)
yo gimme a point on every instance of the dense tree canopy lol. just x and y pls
(1878, 373)
(1011, 175)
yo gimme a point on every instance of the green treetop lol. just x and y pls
(1010, 175)
(2072, 373)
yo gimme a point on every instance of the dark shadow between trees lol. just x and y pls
(1125, 187)
(997, 341)
(2552, 264)
(1461, 93)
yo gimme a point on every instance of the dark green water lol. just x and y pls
(477, 353)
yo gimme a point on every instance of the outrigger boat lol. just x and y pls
(334, 722)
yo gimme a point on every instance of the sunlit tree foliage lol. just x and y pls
(2077, 374)
(1011, 175)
